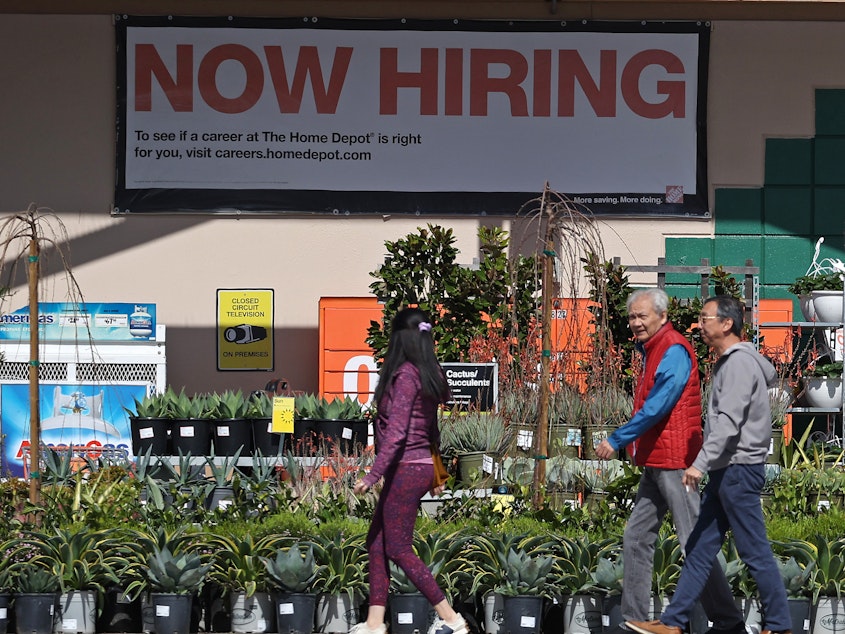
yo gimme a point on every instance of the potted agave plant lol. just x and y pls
(239, 569)
(149, 424)
(477, 439)
(265, 442)
(175, 578)
(232, 432)
(319, 420)
(341, 580)
(7, 585)
(523, 584)
(292, 573)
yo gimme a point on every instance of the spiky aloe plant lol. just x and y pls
(294, 569)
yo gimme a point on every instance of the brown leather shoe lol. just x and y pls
(654, 627)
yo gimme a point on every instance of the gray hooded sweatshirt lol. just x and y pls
(738, 429)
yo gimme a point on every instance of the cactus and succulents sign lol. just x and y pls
(473, 385)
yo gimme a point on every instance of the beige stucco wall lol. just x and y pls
(57, 131)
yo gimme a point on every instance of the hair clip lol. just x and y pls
(424, 326)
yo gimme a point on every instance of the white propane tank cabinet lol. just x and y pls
(94, 360)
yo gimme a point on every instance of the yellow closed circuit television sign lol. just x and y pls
(245, 329)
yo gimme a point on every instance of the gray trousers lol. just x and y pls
(661, 490)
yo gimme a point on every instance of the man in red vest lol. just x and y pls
(663, 437)
(736, 443)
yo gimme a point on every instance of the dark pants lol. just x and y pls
(731, 500)
(391, 534)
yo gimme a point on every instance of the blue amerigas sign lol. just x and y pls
(83, 322)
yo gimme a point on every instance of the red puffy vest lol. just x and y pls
(675, 441)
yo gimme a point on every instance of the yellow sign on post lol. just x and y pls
(282, 421)
(245, 329)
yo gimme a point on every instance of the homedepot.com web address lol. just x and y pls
(314, 155)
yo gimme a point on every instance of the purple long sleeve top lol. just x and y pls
(406, 424)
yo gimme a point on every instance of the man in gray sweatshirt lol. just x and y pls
(737, 435)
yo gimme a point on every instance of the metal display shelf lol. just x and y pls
(831, 435)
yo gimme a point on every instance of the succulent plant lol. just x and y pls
(293, 570)
(523, 574)
(313, 406)
(181, 573)
(230, 404)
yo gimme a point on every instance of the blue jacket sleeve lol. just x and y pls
(672, 374)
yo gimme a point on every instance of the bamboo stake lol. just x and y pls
(34, 413)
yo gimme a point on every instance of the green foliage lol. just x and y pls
(293, 570)
(575, 560)
(609, 288)
(259, 405)
(150, 406)
(179, 573)
(228, 405)
(421, 269)
(463, 432)
(36, 580)
(314, 406)
(806, 284)
(829, 370)
(523, 574)
(828, 577)
(238, 561)
(342, 564)
(796, 562)
(667, 563)
(607, 577)
(76, 558)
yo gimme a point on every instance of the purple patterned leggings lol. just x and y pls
(392, 532)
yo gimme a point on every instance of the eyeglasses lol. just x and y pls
(703, 318)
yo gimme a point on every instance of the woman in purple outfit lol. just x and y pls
(411, 387)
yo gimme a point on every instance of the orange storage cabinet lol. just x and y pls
(346, 365)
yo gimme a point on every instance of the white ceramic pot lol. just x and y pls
(806, 304)
(823, 392)
(828, 306)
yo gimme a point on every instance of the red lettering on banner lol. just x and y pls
(391, 79)
(482, 84)
(454, 81)
(502, 71)
(207, 78)
(179, 92)
(542, 83)
(601, 92)
(602, 97)
(673, 105)
(308, 65)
